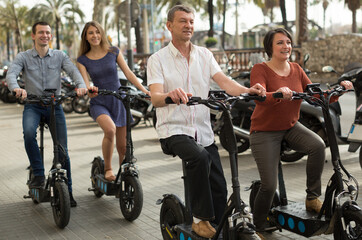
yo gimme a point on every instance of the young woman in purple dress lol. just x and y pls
(97, 61)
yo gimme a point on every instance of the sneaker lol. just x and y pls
(73, 203)
(313, 205)
(37, 182)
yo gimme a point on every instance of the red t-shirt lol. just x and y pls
(276, 114)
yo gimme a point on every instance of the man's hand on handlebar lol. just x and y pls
(347, 84)
(81, 91)
(19, 92)
(257, 89)
(179, 96)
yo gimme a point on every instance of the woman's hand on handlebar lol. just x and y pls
(287, 93)
(93, 91)
(179, 96)
(347, 84)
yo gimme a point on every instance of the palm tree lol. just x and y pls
(54, 11)
(267, 6)
(13, 18)
(302, 22)
(353, 5)
(98, 9)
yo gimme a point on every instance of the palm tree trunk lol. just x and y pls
(303, 22)
(139, 40)
(284, 14)
(57, 20)
(210, 9)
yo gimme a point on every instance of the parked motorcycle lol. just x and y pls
(141, 105)
(67, 85)
(353, 73)
(5, 95)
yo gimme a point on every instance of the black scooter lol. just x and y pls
(340, 213)
(236, 222)
(353, 73)
(127, 186)
(56, 187)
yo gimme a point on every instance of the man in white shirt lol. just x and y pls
(179, 71)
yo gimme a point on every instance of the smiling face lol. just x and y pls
(182, 26)
(282, 47)
(93, 36)
(42, 35)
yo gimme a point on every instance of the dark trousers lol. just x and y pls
(205, 176)
(266, 146)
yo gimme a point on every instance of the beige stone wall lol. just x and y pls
(336, 51)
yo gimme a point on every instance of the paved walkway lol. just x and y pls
(102, 218)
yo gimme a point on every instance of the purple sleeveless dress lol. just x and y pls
(103, 73)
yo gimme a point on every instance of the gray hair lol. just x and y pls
(183, 8)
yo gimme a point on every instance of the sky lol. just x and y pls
(249, 15)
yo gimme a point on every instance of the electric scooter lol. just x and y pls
(353, 73)
(340, 213)
(56, 187)
(127, 186)
(236, 222)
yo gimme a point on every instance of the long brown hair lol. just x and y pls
(84, 44)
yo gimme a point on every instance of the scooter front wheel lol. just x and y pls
(353, 222)
(171, 214)
(61, 204)
(131, 197)
(97, 168)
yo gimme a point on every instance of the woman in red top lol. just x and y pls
(277, 119)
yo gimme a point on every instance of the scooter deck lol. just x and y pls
(184, 231)
(39, 194)
(294, 217)
(106, 187)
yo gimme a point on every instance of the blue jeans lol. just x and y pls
(31, 118)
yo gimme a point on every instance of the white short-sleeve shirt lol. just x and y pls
(169, 68)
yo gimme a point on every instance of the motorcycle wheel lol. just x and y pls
(171, 214)
(136, 120)
(131, 197)
(61, 204)
(67, 105)
(353, 222)
(97, 168)
(80, 104)
(291, 156)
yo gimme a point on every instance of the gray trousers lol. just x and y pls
(266, 146)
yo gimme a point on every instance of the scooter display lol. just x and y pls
(340, 213)
(55, 190)
(127, 186)
(236, 222)
(353, 73)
